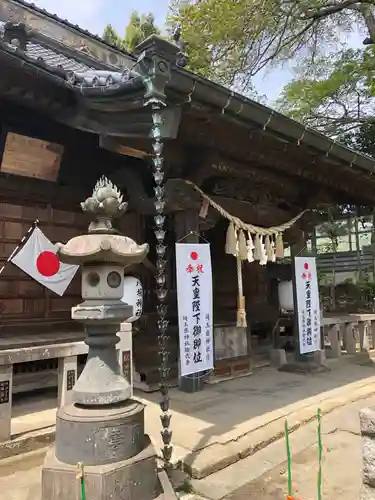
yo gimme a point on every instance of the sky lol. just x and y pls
(94, 15)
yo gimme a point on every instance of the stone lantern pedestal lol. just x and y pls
(103, 429)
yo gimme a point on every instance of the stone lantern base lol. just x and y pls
(118, 458)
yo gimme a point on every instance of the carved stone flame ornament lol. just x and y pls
(103, 243)
(105, 204)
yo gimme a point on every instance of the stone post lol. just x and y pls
(372, 335)
(364, 340)
(349, 339)
(367, 422)
(6, 380)
(125, 353)
(334, 338)
(66, 378)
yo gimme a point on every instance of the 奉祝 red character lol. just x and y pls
(200, 268)
(190, 268)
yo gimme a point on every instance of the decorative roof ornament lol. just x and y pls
(182, 58)
(105, 204)
(16, 35)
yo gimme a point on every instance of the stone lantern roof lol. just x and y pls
(103, 243)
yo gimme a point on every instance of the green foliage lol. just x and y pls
(230, 41)
(336, 95)
(362, 139)
(111, 36)
(138, 29)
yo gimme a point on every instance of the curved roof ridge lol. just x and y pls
(71, 25)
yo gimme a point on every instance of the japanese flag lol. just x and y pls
(38, 259)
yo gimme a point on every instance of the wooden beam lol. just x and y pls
(181, 197)
(236, 142)
(112, 144)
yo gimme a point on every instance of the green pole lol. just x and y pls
(81, 478)
(289, 459)
(320, 453)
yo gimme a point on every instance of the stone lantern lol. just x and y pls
(103, 428)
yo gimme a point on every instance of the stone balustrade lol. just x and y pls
(67, 354)
(350, 333)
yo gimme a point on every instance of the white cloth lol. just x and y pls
(38, 259)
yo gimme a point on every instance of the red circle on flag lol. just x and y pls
(194, 255)
(306, 266)
(47, 264)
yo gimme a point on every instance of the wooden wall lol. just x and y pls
(25, 305)
(23, 301)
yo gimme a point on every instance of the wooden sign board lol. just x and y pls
(31, 157)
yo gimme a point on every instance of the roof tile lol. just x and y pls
(67, 23)
(46, 55)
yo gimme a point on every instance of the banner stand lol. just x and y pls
(307, 328)
(195, 311)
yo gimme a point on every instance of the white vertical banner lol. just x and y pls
(133, 296)
(308, 307)
(194, 300)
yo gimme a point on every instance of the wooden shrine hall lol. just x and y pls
(73, 108)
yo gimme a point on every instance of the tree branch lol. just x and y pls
(330, 8)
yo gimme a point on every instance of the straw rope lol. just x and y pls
(267, 246)
(270, 231)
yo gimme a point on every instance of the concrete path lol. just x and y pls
(226, 422)
(262, 475)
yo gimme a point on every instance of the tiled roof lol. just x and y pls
(69, 24)
(97, 78)
(41, 53)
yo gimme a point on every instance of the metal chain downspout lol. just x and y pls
(161, 288)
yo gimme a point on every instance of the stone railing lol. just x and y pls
(67, 354)
(350, 333)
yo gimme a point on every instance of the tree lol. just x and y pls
(336, 95)
(230, 41)
(111, 36)
(362, 139)
(138, 29)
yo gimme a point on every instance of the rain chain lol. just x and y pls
(161, 289)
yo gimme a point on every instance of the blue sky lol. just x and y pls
(94, 15)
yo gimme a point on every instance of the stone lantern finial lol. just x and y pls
(105, 204)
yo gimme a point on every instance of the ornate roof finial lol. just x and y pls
(105, 204)
(182, 58)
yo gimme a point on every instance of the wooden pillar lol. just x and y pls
(187, 227)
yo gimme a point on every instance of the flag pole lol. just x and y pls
(27, 235)
(320, 452)
(289, 462)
